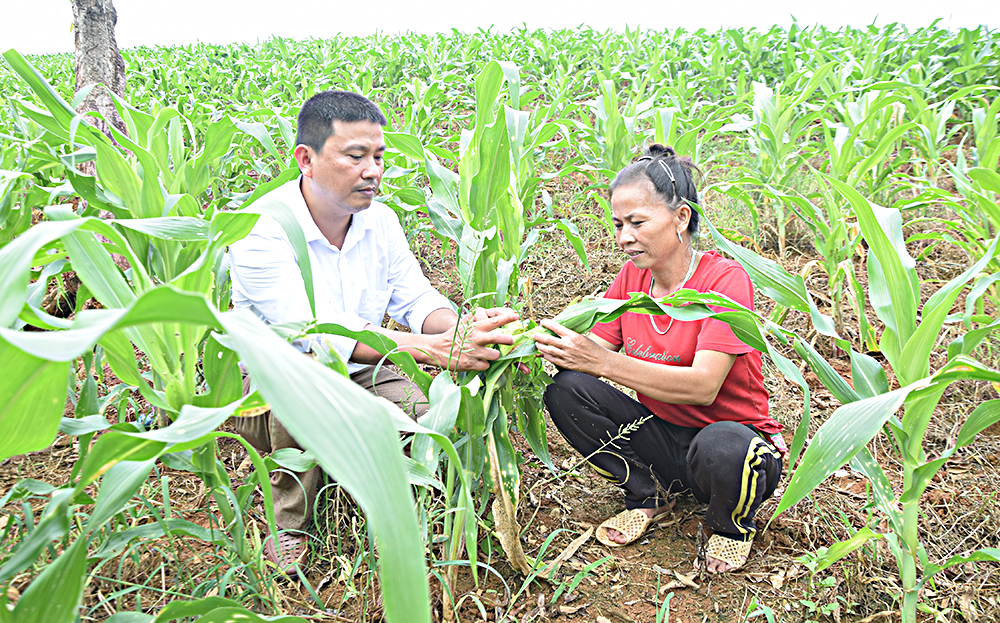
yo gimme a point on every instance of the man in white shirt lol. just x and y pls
(362, 268)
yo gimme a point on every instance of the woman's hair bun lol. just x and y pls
(656, 150)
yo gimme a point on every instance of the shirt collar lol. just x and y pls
(361, 221)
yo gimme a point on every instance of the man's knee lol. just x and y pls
(256, 429)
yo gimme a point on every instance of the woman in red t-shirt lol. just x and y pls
(701, 422)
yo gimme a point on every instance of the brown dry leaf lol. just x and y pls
(681, 581)
(567, 553)
(777, 580)
(245, 466)
(601, 619)
(505, 516)
(571, 609)
(687, 580)
(966, 603)
(13, 594)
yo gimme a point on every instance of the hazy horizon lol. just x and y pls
(45, 26)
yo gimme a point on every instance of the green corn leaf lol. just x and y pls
(118, 486)
(16, 260)
(868, 376)
(921, 478)
(196, 607)
(352, 437)
(882, 491)
(130, 617)
(169, 228)
(895, 291)
(487, 89)
(260, 132)
(492, 178)
(281, 213)
(119, 541)
(532, 426)
(982, 417)
(987, 178)
(52, 525)
(840, 438)
(56, 105)
(839, 550)
(54, 596)
(386, 346)
(573, 235)
(83, 426)
(222, 375)
(32, 397)
(507, 457)
(117, 176)
(112, 449)
(840, 388)
(445, 400)
(916, 352)
(406, 144)
(987, 554)
(773, 281)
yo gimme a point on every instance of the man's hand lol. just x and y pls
(447, 341)
(469, 345)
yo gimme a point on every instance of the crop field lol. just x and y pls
(854, 173)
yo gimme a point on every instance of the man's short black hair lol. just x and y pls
(321, 110)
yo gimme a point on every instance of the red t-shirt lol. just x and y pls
(742, 397)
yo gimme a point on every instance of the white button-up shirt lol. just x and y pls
(374, 272)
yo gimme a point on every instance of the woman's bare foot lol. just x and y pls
(729, 554)
(714, 565)
(618, 537)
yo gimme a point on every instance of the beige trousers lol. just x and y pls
(294, 502)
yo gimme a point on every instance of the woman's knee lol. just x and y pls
(721, 439)
(566, 389)
(726, 448)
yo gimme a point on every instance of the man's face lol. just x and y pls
(345, 175)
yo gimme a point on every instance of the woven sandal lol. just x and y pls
(631, 523)
(730, 551)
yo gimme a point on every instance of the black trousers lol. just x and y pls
(726, 465)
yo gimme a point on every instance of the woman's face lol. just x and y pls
(645, 228)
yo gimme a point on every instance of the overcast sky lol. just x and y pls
(39, 26)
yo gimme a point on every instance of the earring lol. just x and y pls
(680, 236)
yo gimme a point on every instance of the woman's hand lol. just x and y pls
(568, 349)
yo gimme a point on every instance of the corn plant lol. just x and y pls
(986, 153)
(777, 132)
(482, 210)
(172, 309)
(932, 130)
(836, 238)
(910, 333)
(863, 148)
(614, 135)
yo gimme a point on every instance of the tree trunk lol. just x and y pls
(98, 60)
